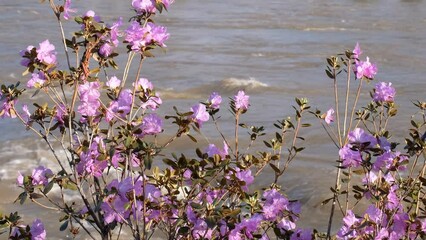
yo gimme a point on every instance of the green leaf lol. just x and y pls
(64, 226)
(275, 168)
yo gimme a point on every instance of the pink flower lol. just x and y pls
(37, 80)
(89, 98)
(359, 136)
(46, 52)
(139, 37)
(212, 150)
(40, 175)
(113, 82)
(329, 117)
(151, 125)
(246, 177)
(93, 15)
(357, 52)
(68, 10)
(214, 100)
(26, 61)
(350, 157)
(384, 92)
(241, 100)
(200, 115)
(6, 108)
(37, 230)
(144, 6)
(365, 69)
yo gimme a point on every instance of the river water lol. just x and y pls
(273, 49)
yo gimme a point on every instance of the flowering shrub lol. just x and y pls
(103, 125)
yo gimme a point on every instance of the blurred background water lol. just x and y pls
(273, 49)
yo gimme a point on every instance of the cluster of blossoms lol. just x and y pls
(384, 92)
(139, 37)
(39, 177)
(124, 199)
(149, 6)
(363, 68)
(89, 99)
(380, 223)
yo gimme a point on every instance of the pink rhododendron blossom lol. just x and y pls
(376, 215)
(365, 69)
(89, 163)
(215, 100)
(6, 108)
(111, 41)
(68, 9)
(302, 234)
(139, 37)
(26, 61)
(144, 6)
(37, 230)
(200, 115)
(212, 150)
(329, 117)
(350, 157)
(274, 205)
(113, 82)
(89, 98)
(46, 52)
(26, 115)
(359, 136)
(286, 224)
(20, 179)
(40, 175)
(92, 14)
(357, 52)
(37, 80)
(241, 100)
(246, 177)
(61, 112)
(384, 92)
(391, 161)
(151, 125)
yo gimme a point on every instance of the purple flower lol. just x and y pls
(365, 69)
(286, 225)
(357, 52)
(302, 234)
(89, 98)
(241, 101)
(246, 177)
(200, 230)
(214, 100)
(89, 163)
(37, 80)
(384, 92)
(391, 160)
(113, 82)
(139, 37)
(329, 117)
(350, 157)
(20, 179)
(40, 176)
(144, 6)
(275, 203)
(6, 108)
(68, 10)
(111, 42)
(151, 125)
(359, 136)
(93, 15)
(200, 115)
(26, 61)
(159, 34)
(212, 150)
(46, 52)
(37, 230)
(376, 215)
